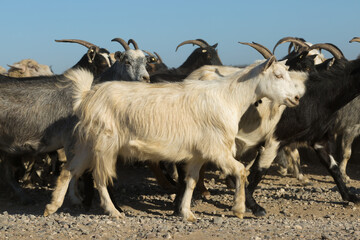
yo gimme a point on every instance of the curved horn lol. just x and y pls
(292, 40)
(355, 39)
(148, 53)
(82, 42)
(158, 56)
(122, 42)
(196, 42)
(294, 45)
(134, 43)
(266, 53)
(335, 51)
(202, 40)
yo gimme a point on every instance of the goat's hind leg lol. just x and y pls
(103, 171)
(329, 162)
(9, 178)
(346, 143)
(231, 166)
(192, 175)
(74, 168)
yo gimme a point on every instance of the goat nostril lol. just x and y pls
(297, 98)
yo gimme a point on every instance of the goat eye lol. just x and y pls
(127, 62)
(204, 50)
(278, 75)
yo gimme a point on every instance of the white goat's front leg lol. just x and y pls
(239, 172)
(192, 175)
(105, 201)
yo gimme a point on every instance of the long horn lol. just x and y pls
(196, 42)
(134, 43)
(158, 56)
(122, 42)
(292, 40)
(260, 48)
(148, 53)
(335, 51)
(355, 39)
(291, 45)
(202, 40)
(82, 42)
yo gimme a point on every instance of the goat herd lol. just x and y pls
(130, 105)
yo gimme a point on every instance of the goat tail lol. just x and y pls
(81, 80)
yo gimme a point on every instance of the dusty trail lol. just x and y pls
(294, 211)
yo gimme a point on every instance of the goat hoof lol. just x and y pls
(259, 211)
(117, 215)
(47, 211)
(188, 216)
(355, 199)
(239, 214)
(191, 218)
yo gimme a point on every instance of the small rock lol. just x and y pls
(218, 220)
(298, 227)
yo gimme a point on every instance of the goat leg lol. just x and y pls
(327, 159)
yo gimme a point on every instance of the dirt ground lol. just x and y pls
(294, 211)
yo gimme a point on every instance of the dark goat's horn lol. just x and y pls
(82, 42)
(335, 51)
(158, 56)
(260, 48)
(196, 42)
(148, 53)
(355, 39)
(122, 42)
(202, 40)
(134, 43)
(293, 41)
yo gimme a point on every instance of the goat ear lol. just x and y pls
(91, 54)
(269, 62)
(215, 45)
(118, 56)
(330, 63)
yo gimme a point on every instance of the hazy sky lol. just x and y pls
(29, 28)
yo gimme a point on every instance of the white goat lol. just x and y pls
(28, 68)
(190, 121)
(258, 122)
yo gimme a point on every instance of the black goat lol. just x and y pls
(346, 128)
(155, 63)
(309, 123)
(204, 55)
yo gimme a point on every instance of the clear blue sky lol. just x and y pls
(29, 28)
